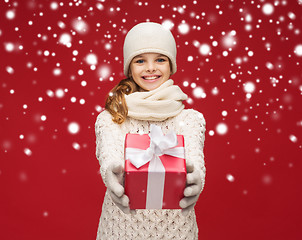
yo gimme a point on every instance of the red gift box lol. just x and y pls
(143, 187)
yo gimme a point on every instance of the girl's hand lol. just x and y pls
(114, 179)
(192, 190)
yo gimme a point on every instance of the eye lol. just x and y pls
(161, 60)
(139, 61)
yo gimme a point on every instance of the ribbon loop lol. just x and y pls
(159, 144)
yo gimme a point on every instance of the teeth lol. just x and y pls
(150, 78)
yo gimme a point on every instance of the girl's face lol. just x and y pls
(150, 70)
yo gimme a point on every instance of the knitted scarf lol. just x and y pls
(158, 104)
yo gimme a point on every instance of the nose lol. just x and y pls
(150, 67)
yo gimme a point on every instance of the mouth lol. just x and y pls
(151, 77)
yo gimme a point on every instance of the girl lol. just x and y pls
(148, 96)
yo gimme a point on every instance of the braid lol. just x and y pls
(116, 103)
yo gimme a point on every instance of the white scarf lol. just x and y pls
(158, 104)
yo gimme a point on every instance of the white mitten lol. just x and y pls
(192, 190)
(114, 179)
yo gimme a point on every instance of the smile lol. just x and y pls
(151, 77)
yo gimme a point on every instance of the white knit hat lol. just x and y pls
(149, 37)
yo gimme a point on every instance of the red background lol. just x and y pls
(49, 182)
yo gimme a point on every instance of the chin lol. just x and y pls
(150, 88)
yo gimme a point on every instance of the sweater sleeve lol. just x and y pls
(109, 148)
(193, 128)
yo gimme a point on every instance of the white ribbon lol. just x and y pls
(160, 144)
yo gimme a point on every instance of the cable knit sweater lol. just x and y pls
(147, 224)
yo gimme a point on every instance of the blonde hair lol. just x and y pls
(116, 103)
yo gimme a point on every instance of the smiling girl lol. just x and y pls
(148, 96)
(150, 70)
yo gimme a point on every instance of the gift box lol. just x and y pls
(155, 169)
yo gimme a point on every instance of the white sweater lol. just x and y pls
(147, 224)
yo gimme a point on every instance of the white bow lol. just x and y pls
(160, 144)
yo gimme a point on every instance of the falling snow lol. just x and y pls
(65, 39)
(59, 93)
(80, 26)
(73, 128)
(204, 49)
(268, 9)
(183, 28)
(249, 87)
(27, 151)
(198, 92)
(91, 59)
(229, 40)
(221, 128)
(76, 146)
(10, 14)
(104, 72)
(168, 24)
(293, 138)
(230, 178)
(298, 50)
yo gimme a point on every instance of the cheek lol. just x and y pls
(167, 69)
(132, 70)
(135, 70)
(167, 72)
